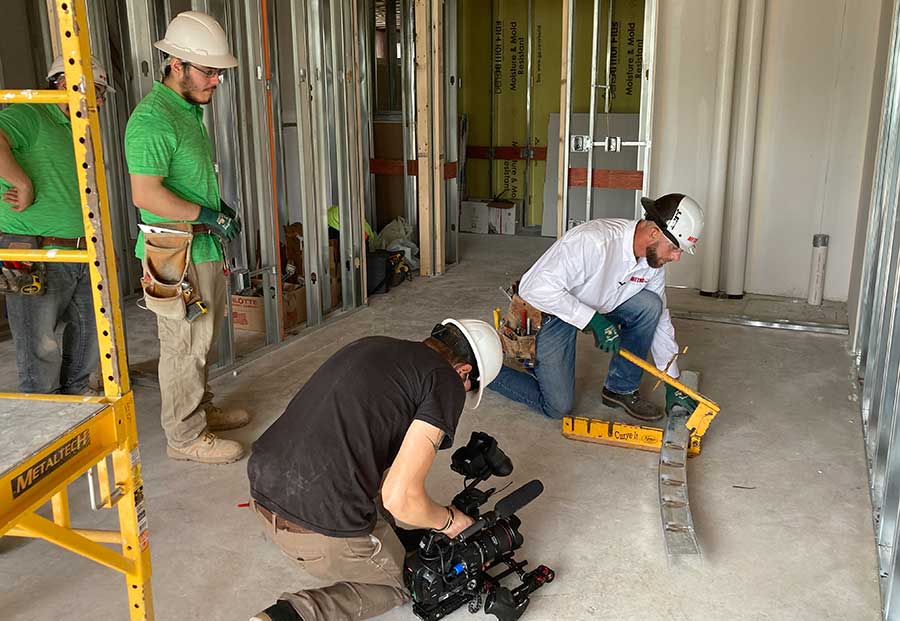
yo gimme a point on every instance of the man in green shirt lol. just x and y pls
(173, 179)
(40, 200)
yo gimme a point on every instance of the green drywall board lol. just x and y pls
(509, 60)
(474, 50)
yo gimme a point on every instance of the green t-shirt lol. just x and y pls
(165, 137)
(41, 139)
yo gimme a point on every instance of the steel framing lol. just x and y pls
(451, 130)
(565, 118)
(876, 341)
(112, 429)
(643, 143)
(410, 88)
(332, 104)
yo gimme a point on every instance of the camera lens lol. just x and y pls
(492, 543)
(500, 539)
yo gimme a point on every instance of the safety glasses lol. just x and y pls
(208, 73)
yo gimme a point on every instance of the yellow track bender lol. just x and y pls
(644, 437)
(681, 437)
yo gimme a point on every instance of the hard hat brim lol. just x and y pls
(652, 212)
(221, 61)
(98, 79)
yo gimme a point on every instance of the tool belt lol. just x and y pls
(169, 290)
(518, 332)
(279, 522)
(24, 277)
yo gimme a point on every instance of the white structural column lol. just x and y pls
(715, 203)
(747, 100)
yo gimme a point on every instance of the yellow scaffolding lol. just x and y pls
(84, 432)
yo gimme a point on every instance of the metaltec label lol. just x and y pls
(28, 478)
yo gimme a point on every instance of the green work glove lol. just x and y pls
(219, 223)
(606, 335)
(227, 210)
(676, 397)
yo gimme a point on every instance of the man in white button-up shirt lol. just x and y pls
(605, 276)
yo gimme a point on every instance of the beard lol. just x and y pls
(190, 89)
(653, 259)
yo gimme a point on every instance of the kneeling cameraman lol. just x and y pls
(378, 405)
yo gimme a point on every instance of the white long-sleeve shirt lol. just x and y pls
(592, 269)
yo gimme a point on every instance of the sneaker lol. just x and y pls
(636, 406)
(279, 611)
(208, 449)
(218, 419)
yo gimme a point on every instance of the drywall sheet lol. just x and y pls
(605, 203)
(547, 54)
(474, 53)
(509, 87)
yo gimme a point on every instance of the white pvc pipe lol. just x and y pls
(715, 205)
(747, 98)
(817, 269)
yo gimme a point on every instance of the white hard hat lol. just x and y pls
(197, 38)
(101, 77)
(485, 344)
(679, 217)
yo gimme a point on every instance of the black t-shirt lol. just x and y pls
(321, 463)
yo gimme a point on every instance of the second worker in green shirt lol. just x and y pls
(173, 180)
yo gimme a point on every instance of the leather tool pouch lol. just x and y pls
(518, 334)
(167, 257)
(21, 277)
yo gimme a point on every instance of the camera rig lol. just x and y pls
(445, 574)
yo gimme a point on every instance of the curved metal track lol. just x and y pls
(674, 504)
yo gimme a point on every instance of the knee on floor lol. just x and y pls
(557, 410)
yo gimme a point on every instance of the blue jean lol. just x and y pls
(550, 387)
(46, 365)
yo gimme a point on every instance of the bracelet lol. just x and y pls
(449, 520)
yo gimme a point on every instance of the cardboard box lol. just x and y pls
(473, 217)
(293, 241)
(503, 220)
(487, 216)
(248, 312)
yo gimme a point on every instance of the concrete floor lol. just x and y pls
(779, 494)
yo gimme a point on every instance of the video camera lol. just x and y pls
(443, 574)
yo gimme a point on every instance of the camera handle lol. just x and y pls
(502, 604)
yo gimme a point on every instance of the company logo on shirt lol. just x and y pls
(638, 279)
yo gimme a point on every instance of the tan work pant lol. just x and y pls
(366, 572)
(183, 351)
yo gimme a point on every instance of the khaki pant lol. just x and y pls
(183, 351)
(366, 572)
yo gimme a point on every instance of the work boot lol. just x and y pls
(208, 449)
(218, 419)
(636, 406)
(279, 611)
